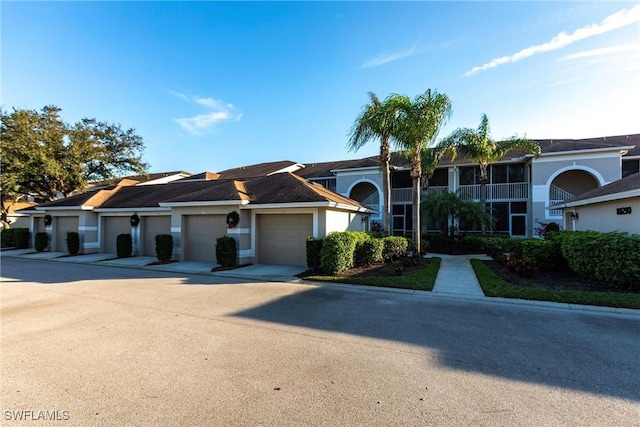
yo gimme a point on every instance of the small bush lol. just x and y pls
(164, 247)
(368, 252)
(42, 241)
(124, 245)
(394, 248)
(6, 237)
(73, 242)
(21, 238)
(314, 248)
(226, 251)
(337, 252)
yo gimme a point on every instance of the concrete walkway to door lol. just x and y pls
(456, 276)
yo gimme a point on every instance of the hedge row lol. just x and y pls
(340, 251)
(611, 258)
(15, 237)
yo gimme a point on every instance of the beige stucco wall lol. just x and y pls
(342, 221)
(604, 217)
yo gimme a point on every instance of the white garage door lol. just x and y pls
(200, 234)
(151, 226)
(64, 224)
(282, 238)
(113, 226)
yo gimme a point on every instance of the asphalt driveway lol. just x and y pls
(95, 345)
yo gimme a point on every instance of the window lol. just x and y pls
(440, 178)
(516, 173)
(469, 175)
(498, 174)
(629, 167)
(401, 179)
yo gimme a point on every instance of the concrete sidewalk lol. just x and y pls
(456, 276)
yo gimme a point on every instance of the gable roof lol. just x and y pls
(260, 169)
(280, 188)
(621, 189)
(324, 169)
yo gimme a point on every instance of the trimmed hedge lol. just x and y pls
(6, 237)
(73, 242)
(337, 252)
(21, 238)
(368, 252)
(543, 254)
(394, 247)
(226, 251)
(41, 241)
(314, 247)
(611, 258)
(164, 247)
(124, 245)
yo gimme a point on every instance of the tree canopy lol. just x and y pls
(44, 157)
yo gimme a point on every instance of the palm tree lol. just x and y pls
(377, 120)
(477, 146)
(420, 121)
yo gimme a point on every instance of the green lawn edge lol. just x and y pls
(422, 280)
(493, 286)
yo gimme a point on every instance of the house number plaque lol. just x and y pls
(624, 211)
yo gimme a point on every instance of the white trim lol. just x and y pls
(238, 230)
(357, 171)
(64, 208)
(595, 173)
(303, 205)
(581, 154)
(87, 228)
(176, 229)
(599, 199)
(205, 203)
(130, 211)
(246, 253)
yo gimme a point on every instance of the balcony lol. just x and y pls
(518, 190)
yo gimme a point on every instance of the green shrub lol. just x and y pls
(337, 252)
(611, 258)
(552, 226)
(124, 245)
(226, 251)
(73, 242)
(42, 241)
(543, 254)
(164, 247)
(394, 247)
(368, 252)
(6, 238)
(21, 238)
(314, 247)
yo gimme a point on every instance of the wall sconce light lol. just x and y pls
(365, 218)
(574, 215)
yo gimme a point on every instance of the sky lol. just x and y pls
(215, 85)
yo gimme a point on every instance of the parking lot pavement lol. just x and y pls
(116, 346)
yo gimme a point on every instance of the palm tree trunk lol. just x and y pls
(386, 191)
(415, 232)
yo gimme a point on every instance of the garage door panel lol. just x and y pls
(201, 232)
(151, 227)
(114, 226)
(64, 224)
(282, 238)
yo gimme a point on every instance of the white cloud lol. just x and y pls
(610, 23)
(603, 51)
(218, 112)
(390, 57)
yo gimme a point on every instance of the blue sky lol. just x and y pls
(214, 85)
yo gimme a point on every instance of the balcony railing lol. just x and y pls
(399, 195)
(517, 190)
(557, 195)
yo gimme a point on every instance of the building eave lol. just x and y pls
(204, 203)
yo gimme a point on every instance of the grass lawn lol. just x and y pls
(423, 279)
(493, 286)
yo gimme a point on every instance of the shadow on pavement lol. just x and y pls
(566, 350)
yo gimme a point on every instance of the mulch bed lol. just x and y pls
(565, 280)
(387, 269)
